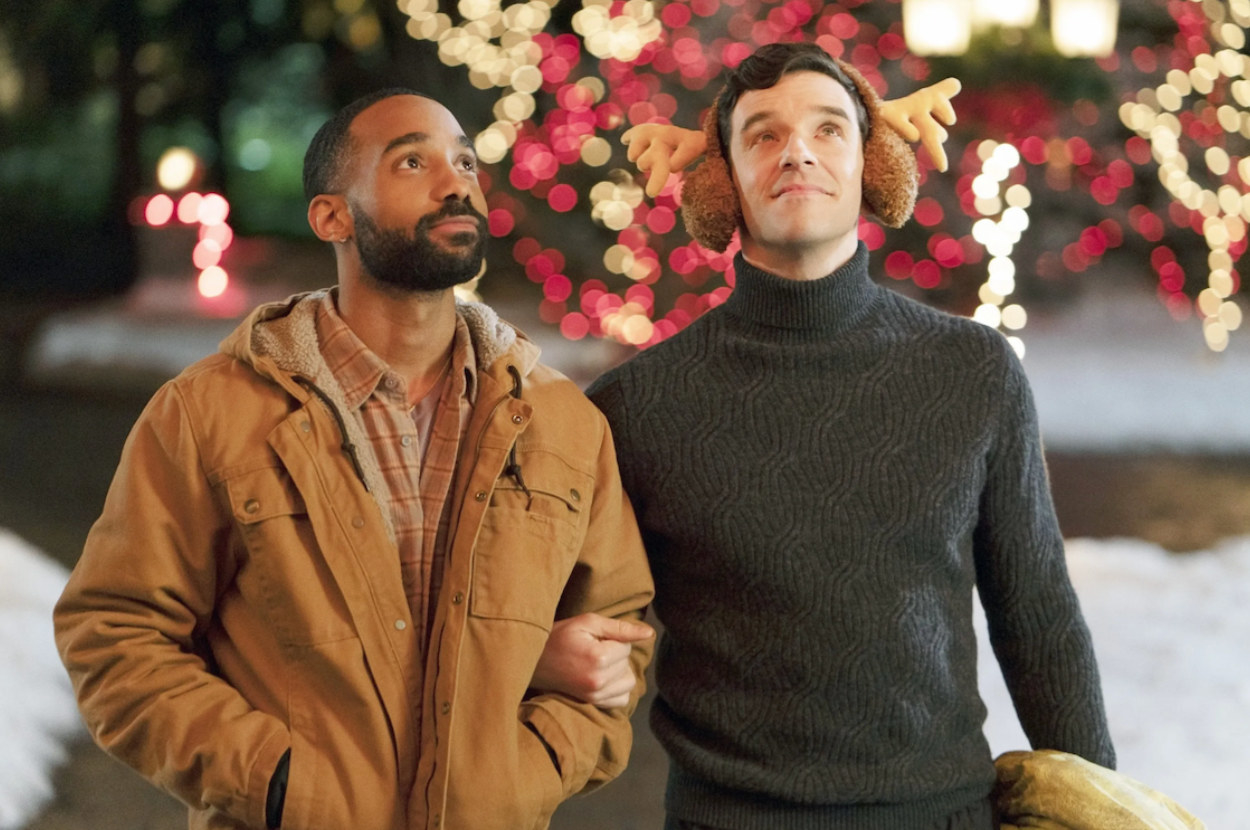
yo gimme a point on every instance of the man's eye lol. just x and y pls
(411, 162)
(469, 163)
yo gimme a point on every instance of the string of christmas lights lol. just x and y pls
(992, 188)
(1224, 204)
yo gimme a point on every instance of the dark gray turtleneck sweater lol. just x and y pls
(823, 472)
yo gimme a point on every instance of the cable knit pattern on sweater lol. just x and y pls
(823, 472)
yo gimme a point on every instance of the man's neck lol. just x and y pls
(412, 332)
(801, 262)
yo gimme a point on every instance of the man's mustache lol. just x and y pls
(450, 210)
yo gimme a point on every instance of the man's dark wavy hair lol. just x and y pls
(328, 151)
(768, 65)
(709, 198)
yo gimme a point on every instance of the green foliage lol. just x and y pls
(60, 167)
(104, 87)
(267, 125)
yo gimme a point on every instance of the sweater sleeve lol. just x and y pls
(1035, 623)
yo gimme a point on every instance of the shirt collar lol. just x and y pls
(360, 372)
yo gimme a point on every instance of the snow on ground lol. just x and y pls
(38, 715)
(1115, 372)
(1170, 631)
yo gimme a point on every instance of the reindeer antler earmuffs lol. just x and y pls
(710, 206)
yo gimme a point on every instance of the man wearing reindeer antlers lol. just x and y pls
(823, 472)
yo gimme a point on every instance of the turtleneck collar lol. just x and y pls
(827, 305)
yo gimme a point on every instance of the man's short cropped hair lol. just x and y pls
(330, 147)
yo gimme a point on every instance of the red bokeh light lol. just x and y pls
(562, 198)
(212, 209)
(189, 208)
(675, 15)
(159, 210)
(898, 265)
(872, 234)
(501, 222)
(926, 274)
(574, 326)
(928, 212)
(557, 288)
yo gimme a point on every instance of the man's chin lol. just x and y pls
(459, 242)
(425, 286)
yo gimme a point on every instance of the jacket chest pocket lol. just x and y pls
(529, 540)
(285, 572)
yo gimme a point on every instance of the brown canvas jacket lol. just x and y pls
(240, 595)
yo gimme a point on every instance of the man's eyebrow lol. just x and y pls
(421, 138)
(409, 138)
(836, 112)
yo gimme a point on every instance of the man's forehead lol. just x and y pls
(405, 119)
(822, 94)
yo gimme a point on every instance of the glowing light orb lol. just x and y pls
(177, 168)
(212, 209)
(159, 210)
(213, 282)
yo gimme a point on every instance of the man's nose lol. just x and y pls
(796, 152)
(453, 182)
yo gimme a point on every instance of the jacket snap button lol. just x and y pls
(400, 625)
(457, 598)
(358, 522)
(517, 419)
(251, 506)
(574, 495)
(305, 425)
(446, 707)
(480, 495)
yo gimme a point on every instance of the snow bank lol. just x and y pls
(38, 714)
(1170, 631)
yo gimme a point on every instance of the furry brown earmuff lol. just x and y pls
(709, 201)
(891, 176)
(710, 206)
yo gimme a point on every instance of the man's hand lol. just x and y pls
(915, 117)
(587, 658)
(662, 149)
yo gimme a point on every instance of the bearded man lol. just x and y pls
(333, 552)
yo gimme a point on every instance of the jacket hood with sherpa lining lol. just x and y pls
(279, 341)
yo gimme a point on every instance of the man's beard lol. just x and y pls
(417, 262)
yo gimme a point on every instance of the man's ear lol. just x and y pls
(330, 218)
